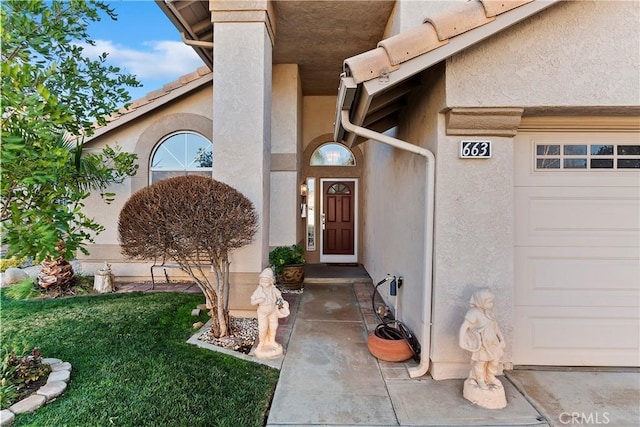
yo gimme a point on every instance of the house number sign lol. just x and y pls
(475, 149)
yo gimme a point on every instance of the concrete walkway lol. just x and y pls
(328, 377)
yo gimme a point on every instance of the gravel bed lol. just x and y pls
(242, 335)
(243, 332)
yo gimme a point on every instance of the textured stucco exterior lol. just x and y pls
(243, 144)
(193, 113)
(574, 54)
(286, 125)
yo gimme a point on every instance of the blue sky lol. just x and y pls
(143, 42)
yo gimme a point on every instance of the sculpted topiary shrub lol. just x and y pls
(192, 221)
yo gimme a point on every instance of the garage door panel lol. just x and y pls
(577, 216)
(576, 250)
(570, 336)
(580, 277)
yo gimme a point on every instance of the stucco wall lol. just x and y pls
(181, 115)
(583, 53)
(318, 115)
(394, 205)
(286, 116)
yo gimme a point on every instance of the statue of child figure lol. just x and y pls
(271, 307)
(481, 335)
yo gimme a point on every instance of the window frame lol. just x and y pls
(186, 170)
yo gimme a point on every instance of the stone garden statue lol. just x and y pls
(481, 335)
(103, 280)
(271, 307)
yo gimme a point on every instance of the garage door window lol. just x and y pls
(587, 156)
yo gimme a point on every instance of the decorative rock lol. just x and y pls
(6, 417)
(52, 389)
(14, 275)
(202, 306)
(30, 404)
(490, 398)
(63, 366)
(198, 325)
(195, 312)
(55, 386)
(59, 376)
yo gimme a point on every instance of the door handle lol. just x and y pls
(322, 220)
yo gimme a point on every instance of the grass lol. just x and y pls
(131, 364)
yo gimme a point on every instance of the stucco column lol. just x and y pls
(474, 231)
(286, 121)
(243, 37)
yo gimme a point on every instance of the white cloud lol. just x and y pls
(164, 60)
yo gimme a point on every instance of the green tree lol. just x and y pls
(51, 97)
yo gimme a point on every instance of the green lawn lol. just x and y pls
(131, 365)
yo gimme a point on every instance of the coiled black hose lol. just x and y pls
(394, 329)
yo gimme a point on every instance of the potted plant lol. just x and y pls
(287, 263)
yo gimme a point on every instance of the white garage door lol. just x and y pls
(577, 260)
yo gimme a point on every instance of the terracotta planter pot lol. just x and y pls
(389, 350)
(292, 276)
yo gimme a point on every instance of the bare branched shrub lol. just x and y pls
(193, 221)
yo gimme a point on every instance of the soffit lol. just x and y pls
(317, 35)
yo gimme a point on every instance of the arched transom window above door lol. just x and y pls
(180, 154)
(332, 154)
(339, 189)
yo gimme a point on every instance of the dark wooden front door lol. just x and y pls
(338, 220)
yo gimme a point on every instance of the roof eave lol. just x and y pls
(141, 111)
(174, 15)
(359, 104)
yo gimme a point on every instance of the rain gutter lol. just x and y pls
(197, 43)
(425, 341)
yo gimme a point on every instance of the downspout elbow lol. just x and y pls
(197, 43)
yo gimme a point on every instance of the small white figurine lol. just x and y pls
(271, 307)
(103, 280)
(481, 335)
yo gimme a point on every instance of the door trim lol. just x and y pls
(340, 258)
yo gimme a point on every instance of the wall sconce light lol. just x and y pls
(304, 189)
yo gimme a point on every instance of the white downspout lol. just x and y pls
(425, 342)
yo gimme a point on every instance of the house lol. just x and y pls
(457, 145)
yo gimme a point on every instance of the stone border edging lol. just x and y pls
(55, 386)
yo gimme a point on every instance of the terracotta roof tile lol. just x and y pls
(369, 65)
(459, 19)
(433, 33)
(496, 7)
(411, 43)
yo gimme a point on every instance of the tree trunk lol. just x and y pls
(56, 274)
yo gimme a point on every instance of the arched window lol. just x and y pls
(184, 153)
(338, 189)
(332, 154)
